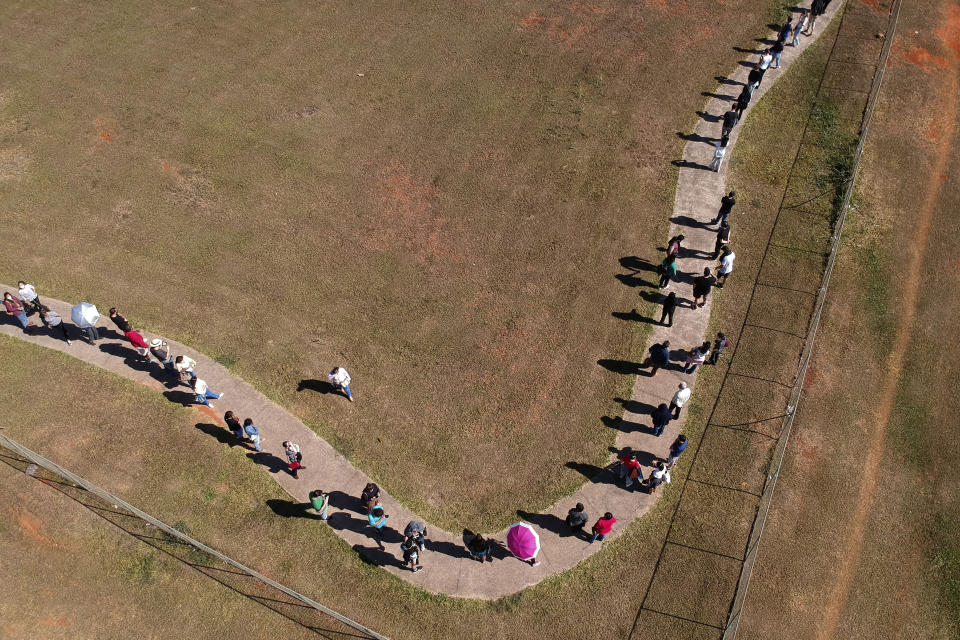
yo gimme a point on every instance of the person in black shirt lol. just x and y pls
(669, 306)
(118, 319)
(701, 288)
(723, 238)
(753, 80)
(719, 346)
(726, 206)
(743, 100)
(730, 120)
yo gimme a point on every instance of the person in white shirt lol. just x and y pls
(185, 364)
(679, 399)
(203, 393)
(719, 152)
(340, 380)
(726, 266)
(53, 320)
(28, 293)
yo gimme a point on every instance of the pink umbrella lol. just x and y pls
(523, 541)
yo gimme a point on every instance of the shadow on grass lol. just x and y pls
(696, 137)
(593, 473)
(291, 509)
(633, 316)
(624, 367)
(223, 436)
(268, 460)
(686, 164)
(320, 386)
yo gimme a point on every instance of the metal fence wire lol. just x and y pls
(849, 66)
(233, 575)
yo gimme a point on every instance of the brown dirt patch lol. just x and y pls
(950, 31)
(31, 524)
(13, 164)
(924, 59)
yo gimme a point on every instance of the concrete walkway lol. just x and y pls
(448, 569)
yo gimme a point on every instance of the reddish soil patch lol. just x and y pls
(932, 132)
(31, 527)
(531, 21)
(810, 378)
(103, 133)
(873, 4)
(950, 32)
(62, 622)
(923, 58)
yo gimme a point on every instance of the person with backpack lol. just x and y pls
(203, 394)
(185, 366)
(696, 357)
(53, 320)
(319, 502)
(777, 51)
(416, 533)
(577, 519)
(673, 245)
(28, 294)
(340, 380)
(411, 556)
(15, 308)
(370, 497)
(730, 120)
(668, 269)
(253, 433)
(701, 288)
(801, 25)
(658, 476)
(723, 239)
(753, 79)
(603, 527)
(294, 458)
(630, 469)
(743, 100)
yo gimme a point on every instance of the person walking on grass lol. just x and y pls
(701, 287)
(801, 25)
(719, 346)
(659, 357)
(294, 458)
(53, 321)
(370, 497)
(668, 269)
(630, 469)
(14, 307)
(603, 527)
(253, 434)
(340, 380)
(726, 206)
(730, 120)
(723, 239)
(669, 307)
(577, 519)
(696, 357)
(203, 394)
(320, 502)
(661, 418)
(118, 319)
(28, 294)
(679, 399)
(725, 268)
(234, 425)
(136, 339)
(479, 548)
(679, 446)
(185, 366)
(719, 153)
(377, 519)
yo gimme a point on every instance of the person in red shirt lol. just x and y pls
(603, 527)
(137, 341)
(630, 469)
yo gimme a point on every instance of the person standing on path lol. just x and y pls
(630, 469)
(370, 497)
(658, 476)
(753, 79)
(697, 356)
(730, 120)
(319, 502)
(743, 100)
(203, 394)
(253, 434)
(679, 446)
(416, 533)
(723, 239)
(719, 346)
(659, 357)
(669, 307)
(479, 548)
(725, 268)
(668, 269)
(136, 339)
(185, 366)
(661, 418)
(294, 458)
(577, 519)
(340, 380)
(777, 51)
(785, 30)
(118, 319)
(816, 10)
(764, 63)
(679, 399)
(801, 25)
(726, 206)
(674, 244)
(603, 527)
(53, 320)
(411, 556)
(15, 308)
(233, 424)
(719, 153)
(377, 519)
(28, 294)
(161, 351)
(701, 288)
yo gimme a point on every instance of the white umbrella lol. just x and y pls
(84, 315)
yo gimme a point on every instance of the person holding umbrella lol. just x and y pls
(85, 316)
(524, 543)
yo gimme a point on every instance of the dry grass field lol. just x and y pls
(434, 195)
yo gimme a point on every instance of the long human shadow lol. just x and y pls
(222, 435)
(635, 264)
(618, 423)
(718, 96)
(238, 582)
(547, 522)
(729, 81)
(593, 473)
(633, 316)
(178, 396)
(645, 458)
(632, 280)
(687, 164)
(696, 137)
(268, 460)
(292, 509)
(687, 221)
(709, 117)
(131, 358)
(319, 386)
(635, 406)
(624, 367)
(497, 549)
(753, 51)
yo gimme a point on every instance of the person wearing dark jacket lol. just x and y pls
(669, 306)
(726, 206)
(754, 79)
(577, 519)
(719, 346)
(730, 120)
(661, 418)
(659, 356)
(723, 239)
(743, 100)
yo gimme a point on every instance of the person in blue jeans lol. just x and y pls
(319, 502)
(659, 356)
(603, 527)
(377, 519)
(340, 380)
(661, 418)
(15, 308)
(479, 548)
(253, 433)
(679, 446)
(203, 394)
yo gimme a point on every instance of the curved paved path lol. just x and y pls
(448, 569)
